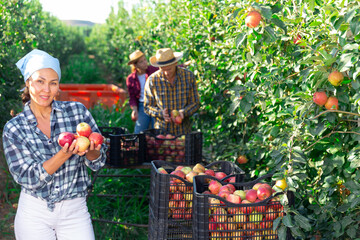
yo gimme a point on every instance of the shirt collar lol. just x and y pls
(30, 117)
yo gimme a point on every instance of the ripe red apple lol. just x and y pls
(210, 172)
(178, 173)
(251, 195)
(242, 159)
(320, 98)
(224, 194)
(83, 129)
(214, 187)
(335, 78)
(178, 120)
(83, 143)
(263, 193)
(332, 103)
(234, 198)
(232, 187)
(66, 137)
(220, 175)
(261, 208)
(97, 138)
(252, 20)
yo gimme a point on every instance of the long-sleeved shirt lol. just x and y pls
(182, 94)
(133, 85)
(27, 148)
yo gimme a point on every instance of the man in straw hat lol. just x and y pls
(135, 83)
(171, 90)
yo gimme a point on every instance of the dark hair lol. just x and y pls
(25, 96)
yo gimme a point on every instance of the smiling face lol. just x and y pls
(43, 87)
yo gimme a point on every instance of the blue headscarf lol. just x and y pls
(36, 60)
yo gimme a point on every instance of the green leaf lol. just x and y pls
(302, 222)
(282, 232)
(276, 223)
(287, 221)
(280, 24)
(271, 33)
(266, 12)
(346, 221)
(240, 39)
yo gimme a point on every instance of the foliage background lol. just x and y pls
(256, 87)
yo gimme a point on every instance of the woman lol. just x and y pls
(135, 83)
(53, 179)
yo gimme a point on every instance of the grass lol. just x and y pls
(129, 206)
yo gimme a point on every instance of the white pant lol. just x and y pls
(70, 220)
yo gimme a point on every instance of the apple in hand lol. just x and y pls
(97, 138)
(83, 143)
(66, 137)
(175, 116)
(83, 129)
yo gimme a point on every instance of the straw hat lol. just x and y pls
(135, 56)
(165, 57)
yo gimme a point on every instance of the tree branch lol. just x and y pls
(338, 111)
(328, 135)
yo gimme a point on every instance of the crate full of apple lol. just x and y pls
(237, 210)
(182, 149)
(171, 195)
(84, 135)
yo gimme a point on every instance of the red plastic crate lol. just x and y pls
(92, 94)
(170, 208)
(216, 218)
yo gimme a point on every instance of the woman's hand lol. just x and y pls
(93, 152)
(134, 115)
(72, 149)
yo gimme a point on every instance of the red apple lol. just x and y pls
(83, 143)
(180, 174)
(178, 120)
(220, 175)
(214, 187)
(224, 194)
(162, 170)
(261, 208)
(251, 195)
(66, 137)
(335, 78)
(320, 98)
(241, 194)
(257, 185)
(210, 172)
(97, 138)
(232, 187)
(332, 103)
(242, 159)
(252, 20)
(234, 198)
(83, 129)
(263, 192)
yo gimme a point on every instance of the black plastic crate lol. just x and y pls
(182, 149)
(171, 198)
(216, 218)
(106, 131)
(126, 150)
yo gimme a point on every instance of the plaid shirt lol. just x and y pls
(27, 148)
(161, 94)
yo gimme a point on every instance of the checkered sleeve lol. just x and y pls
(193, 96)
(25, 170)
(150, 104)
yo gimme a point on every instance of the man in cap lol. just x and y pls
(171, 88)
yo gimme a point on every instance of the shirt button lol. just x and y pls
(42, 177)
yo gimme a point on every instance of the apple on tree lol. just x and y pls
(242, 159)
(252, 20)
(320, 98)
(335, 78)
(332, 103)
